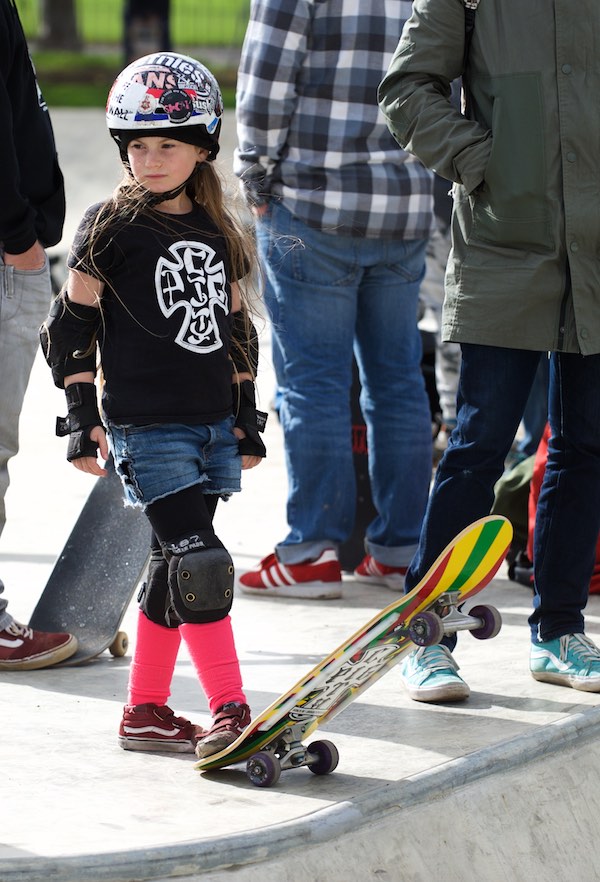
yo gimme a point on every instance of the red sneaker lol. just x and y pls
(369, 570)
(230, 721)
(150, 727)
(319, 579)
(23, 649)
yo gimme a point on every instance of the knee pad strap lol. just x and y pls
(154, 597)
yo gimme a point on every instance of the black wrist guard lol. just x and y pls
(82, 417)
(248, 418)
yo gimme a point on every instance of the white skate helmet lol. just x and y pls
(169, 95)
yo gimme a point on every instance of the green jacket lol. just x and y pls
(524, 270)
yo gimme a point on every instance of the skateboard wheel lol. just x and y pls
(491, 621)
(327, 757)
(426, 629)
(119, 646)
(263, 769)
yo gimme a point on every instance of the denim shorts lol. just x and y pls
(158, 460)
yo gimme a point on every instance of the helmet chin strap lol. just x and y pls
(153, 199)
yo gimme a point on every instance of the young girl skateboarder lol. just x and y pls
(153, 286)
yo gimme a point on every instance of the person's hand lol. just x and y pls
(259, 210)
(248, 462)
(32, 259)
(90, 464)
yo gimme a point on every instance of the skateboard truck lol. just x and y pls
(429, 627)
(287, 752)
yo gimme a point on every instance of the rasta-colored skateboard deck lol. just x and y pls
(96, 574)
(273, 741)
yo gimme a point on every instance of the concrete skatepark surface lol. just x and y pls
(502, 786)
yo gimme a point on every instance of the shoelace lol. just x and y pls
(436, 658)
(18, 630)
(584, 649)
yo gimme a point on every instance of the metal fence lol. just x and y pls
(192, 22)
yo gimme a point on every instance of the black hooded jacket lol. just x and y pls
(32, 198)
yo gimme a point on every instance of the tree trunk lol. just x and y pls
(59, 25)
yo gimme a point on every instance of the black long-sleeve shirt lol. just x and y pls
(32, 198)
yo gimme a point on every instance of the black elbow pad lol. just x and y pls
(68, 338)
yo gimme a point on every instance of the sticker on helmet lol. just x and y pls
(147, 105)
(178, 105)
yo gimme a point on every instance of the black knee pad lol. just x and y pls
(200, 578)
(155, 596)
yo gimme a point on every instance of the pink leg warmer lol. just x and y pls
(212, 650)
(153, 663)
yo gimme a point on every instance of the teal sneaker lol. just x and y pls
(429, 673)
(572, 660)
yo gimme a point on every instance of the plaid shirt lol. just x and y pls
(310, 131)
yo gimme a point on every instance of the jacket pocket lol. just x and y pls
(512, 208)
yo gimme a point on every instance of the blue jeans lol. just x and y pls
(158, 460)
(25, 297)
(329, 296)
(493, 390)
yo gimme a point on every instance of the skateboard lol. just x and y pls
(273, 741)
(95, 576)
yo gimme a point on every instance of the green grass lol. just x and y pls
(71, 79)
(74, 79)
(82, 79)
(193, 22)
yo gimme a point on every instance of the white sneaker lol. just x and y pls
(572, 660)
(429, 673)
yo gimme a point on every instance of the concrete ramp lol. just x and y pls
(526, 807)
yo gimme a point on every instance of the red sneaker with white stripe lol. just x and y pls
(23, 649)
(370, 570)
(319, 579)
(150, 727)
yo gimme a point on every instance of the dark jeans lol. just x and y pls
(493, 390)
